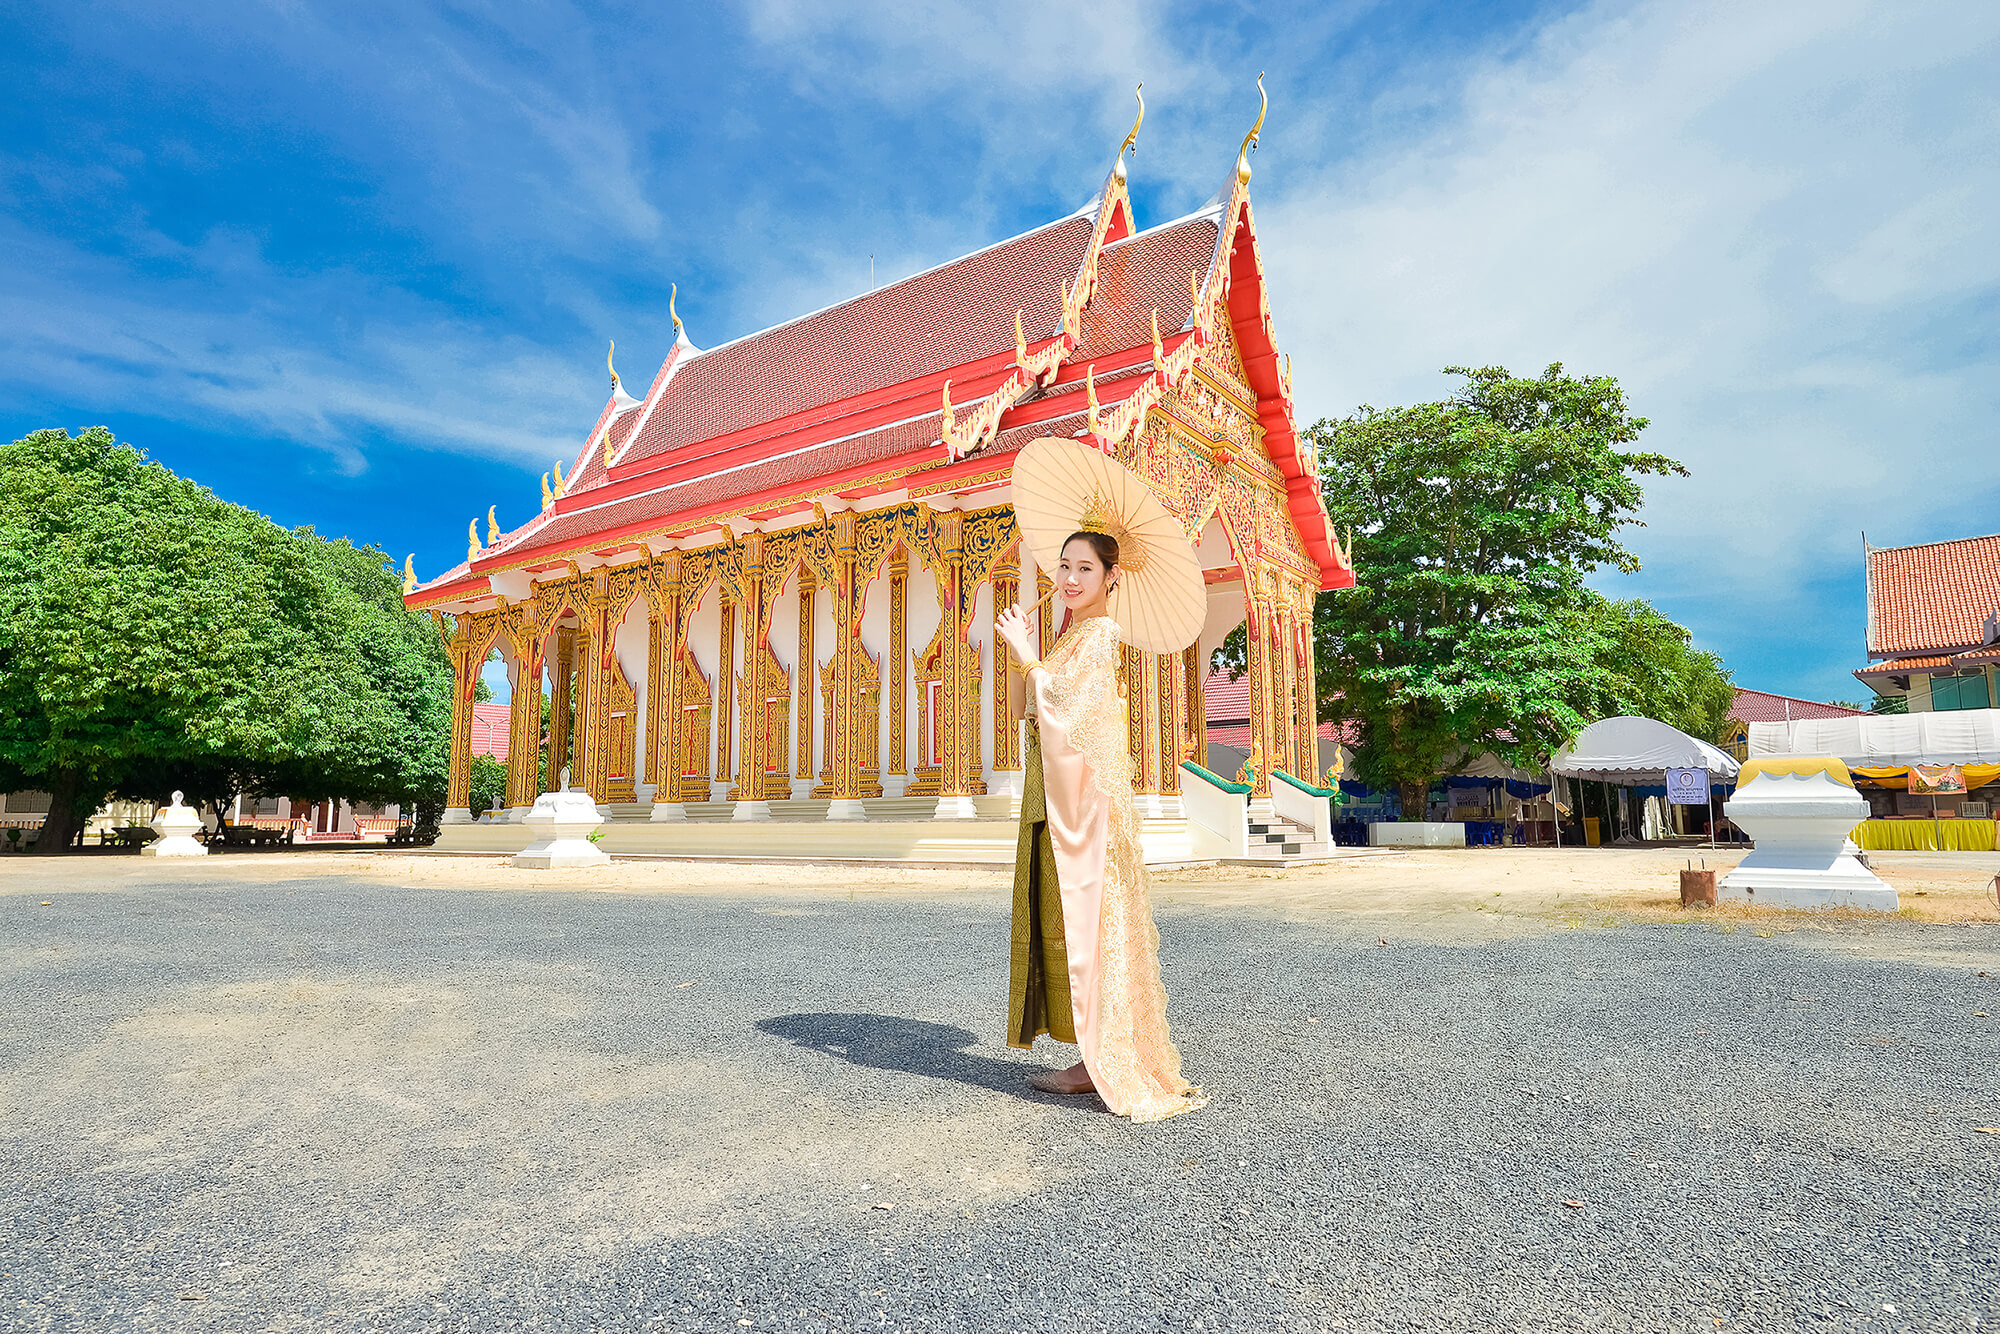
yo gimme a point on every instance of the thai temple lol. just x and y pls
(763, 590)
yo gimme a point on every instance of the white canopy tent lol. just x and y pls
(1638, 752)
(1966, 736)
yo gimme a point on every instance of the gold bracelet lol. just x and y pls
(1030, 666)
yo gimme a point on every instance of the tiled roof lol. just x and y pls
(1139, 274)
(1931, 597)
(1898, 666)
(1226, 704)
(1761, 706)
(490, 726)
(930, 323)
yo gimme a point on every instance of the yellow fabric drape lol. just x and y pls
(1926, 835)
(1898, 776)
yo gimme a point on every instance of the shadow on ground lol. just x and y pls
(914, 1046)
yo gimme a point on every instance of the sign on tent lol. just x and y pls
(1687, 787)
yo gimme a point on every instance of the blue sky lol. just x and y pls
(355, 266)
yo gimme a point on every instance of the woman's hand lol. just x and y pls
(1012, 626)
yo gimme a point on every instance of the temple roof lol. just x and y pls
(849, 400)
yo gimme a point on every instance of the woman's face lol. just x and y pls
(1080, 576)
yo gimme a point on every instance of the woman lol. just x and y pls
(1086, 963)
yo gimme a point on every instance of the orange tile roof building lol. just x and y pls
(772, 578)
(1934, 625)
(1761, 706)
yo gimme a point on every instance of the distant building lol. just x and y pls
(1933, 625)
(489, 729)
(1761, 706)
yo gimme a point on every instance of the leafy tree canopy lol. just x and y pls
(153, 636)
(1475, 522)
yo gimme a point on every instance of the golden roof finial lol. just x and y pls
(607, 362)
(472, 541)
(1020, 342)
(548, 496)
(560, 484)
(1250, 139)
(673, 291)
(410, 573)
(492, 525)
(1159, 349)
(1090, 392)
(950, 417)
(1132, 139)
(605, 440)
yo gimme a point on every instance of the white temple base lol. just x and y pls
(561, 824)
(955, 808)
(846, 808)
(457, 815)
(1780, 887)
(669, 812)
(1802, 856)
(751, 810)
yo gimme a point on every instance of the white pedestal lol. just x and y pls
(176, 826)
(1416, 834)
(1155, 806)
(955, 808)
(718, 790)
(1006, 783)
(846, 808)
(457, 815)
(1802, 858)
(751, 810)
(560, 826)
(895, 785)
(1261, 810)
(669, 812)
(802, 789)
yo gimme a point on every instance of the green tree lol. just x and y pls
(489, 784)
(154, 637)
(1474, 522)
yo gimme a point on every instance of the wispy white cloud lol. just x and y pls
(330, 361)
(1773, 223)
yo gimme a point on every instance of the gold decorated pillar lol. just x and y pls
(751, 738)
(1006, 733)
(959, 746)
(1170, 726)
(1143, 709)
(808, 674)
(1257, 640)
(844, 758)
(524, 722)
(562, 712)
(663, 679)
(465, 664)
(897, 686)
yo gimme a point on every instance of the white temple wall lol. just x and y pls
(925, 614)
(875, 638)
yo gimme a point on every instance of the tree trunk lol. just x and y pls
(1415, 798)
(67, 812)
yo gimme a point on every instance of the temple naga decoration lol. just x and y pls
(770, 581)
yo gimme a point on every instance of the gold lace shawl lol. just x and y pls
(1140, 1067)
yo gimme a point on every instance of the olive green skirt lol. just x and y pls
(1038, 991)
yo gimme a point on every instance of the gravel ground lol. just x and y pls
(333, 1104)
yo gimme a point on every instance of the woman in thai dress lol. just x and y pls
(1085, 953)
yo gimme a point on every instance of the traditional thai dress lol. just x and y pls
(1086, 960)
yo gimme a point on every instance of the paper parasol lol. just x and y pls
(1062, 487)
